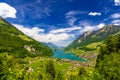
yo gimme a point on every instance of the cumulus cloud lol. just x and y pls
(39, 35)
(89, 27)
(7, 11)
(64, 30)
(116, 15)
(117, 2)
(94, 14)
(116, 22)
(29, 31)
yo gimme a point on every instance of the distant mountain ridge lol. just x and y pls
(51, 45)
(15, 42)
(91, 37)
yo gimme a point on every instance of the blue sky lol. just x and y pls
(59, 21)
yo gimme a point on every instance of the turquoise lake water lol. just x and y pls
(60, 54)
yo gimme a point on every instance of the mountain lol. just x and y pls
(92, 39)
(51, 45)
(16, 43)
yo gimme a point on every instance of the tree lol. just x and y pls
(108, 61)
(59, 76)
(50, 69)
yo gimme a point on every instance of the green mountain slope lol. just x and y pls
(15, 42)
(92, 39)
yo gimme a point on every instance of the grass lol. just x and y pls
(94, 45)
(62, 66)
(25, 38)
(39, 63)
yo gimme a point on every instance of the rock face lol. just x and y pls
(90, 37)
(29, 48)
(86, 34)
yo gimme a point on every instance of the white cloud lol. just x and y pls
(53, 37)
(7, 11)
(116, 22)
(65, 30)
(60, 37)
(89, 27)
(101, 25)
(72, 13)
(117, 2)
(116, 15)
(39, 35)
(71, 17)
(29, 31)
(94, 14)
(37, 29)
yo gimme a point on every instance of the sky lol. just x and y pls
(59, 21)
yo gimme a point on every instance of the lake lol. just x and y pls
(59, 53)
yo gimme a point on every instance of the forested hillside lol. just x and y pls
(18, 44)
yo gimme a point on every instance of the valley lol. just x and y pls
(59, 40)
(23, 58)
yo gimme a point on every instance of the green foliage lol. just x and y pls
(108, 61)
(10, 69)
(59, 76)
(50, 71)
(82, 71)
(35, 69)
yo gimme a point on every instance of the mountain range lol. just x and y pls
(51, 45)
(91, 40)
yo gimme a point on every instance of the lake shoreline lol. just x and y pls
(60, 54)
